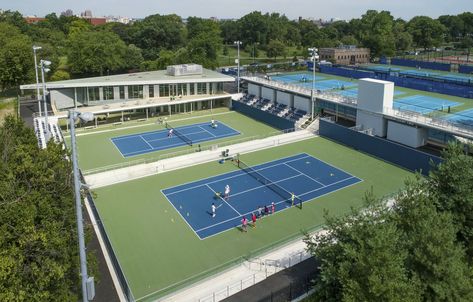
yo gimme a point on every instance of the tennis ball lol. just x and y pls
(331, 174)
(180, 207)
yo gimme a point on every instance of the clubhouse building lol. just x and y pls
(179, 88)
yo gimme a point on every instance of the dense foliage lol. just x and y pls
(79, 49)
(415, 249)
(38, 235)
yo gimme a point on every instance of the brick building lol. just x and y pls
(346, 55)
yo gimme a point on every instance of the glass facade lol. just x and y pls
(108, 93)
(182, 89)
(122, 92)
(201, 88)
(163, 90)
(192, 88)
(94, 94)
(135, 91)
(151, 91)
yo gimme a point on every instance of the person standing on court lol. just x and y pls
(244, 222)
(293, 197)
(227, 192)
(253, 219)
(170, 133)
(273, 207)
(213, 208)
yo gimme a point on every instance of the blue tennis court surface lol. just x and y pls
(354, 92)
(296, 77)
(136, 144)
(307, 177)
(423, 104)
(464, 117)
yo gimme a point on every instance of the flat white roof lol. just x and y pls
(138, 78)
(376, 81)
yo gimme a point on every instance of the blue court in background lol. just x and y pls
(296, 77)
(464, 117)
(354, 92)
(136, 144)
(306, 176)
(423, 104)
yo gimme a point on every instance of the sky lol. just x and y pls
(325, 9)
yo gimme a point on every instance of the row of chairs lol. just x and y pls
(278, 109)
(40, 130)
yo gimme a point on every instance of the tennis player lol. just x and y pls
(244, 223)
(170, 133)
(293, 198)
(227, 192)
(213, 208)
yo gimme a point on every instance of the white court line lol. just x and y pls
(302, 173)
(237, 175)
(282, 201)
(223, 199)
(207, 131)
(146, 142)
(174, 135)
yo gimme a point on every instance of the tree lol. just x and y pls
(38, 236)
(451, 185)
(426, 32)
(133, 57)
(275, 49)
(375, 31)
(15, 57)
(360, 258)
(435, 257)
(156, 33)
(96, 52)
(204, 41)
(60, 75)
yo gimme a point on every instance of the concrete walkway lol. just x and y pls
(107, 178)
(238, 278)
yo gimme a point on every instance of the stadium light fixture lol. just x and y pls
(44, 64)
(313, 52)
(88, 288)
(238, 43)
(35, 48)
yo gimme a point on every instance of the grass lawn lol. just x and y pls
(96, 149)
(159, 252)
(247, 57)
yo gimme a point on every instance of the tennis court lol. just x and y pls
(464, 117)
(423, 104)
(305, 176)
(354, 92)
(296, 77)
(137, 144)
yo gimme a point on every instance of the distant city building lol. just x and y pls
(86, 14)
(345, 55)
(33, 19)
(119, 19)
(68, 13)
(95, 21)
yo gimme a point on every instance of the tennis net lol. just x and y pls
(271, 185)
(179, 134)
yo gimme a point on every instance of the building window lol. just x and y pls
(122, 92)
(135, 91)
(151, 91)
(108, 93)
(163, 90)
(191, 88)
(182, 89)
(220, 87)
(94, 94)
(201, 88)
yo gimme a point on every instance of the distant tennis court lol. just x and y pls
(307, 177)
(464, 117)
(423, 104)
(136, 144)
(296, 77)
(354, 92)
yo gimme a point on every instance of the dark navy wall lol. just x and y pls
(400, 155)
(263, 116)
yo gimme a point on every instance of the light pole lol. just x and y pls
(35, 48)
(44, 68)
(88, 289)
(238, 43)
(254, 51)
(312, 94)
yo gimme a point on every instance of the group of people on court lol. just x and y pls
(226, 197)
(213, 124)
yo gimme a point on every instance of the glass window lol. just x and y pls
(122, 92)
(94, 94)
(135, 91)
(182, 89)
(164, 90)
(108, 93)
(220, 87)
(151, 91)
(192, 89)
(201, 88)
